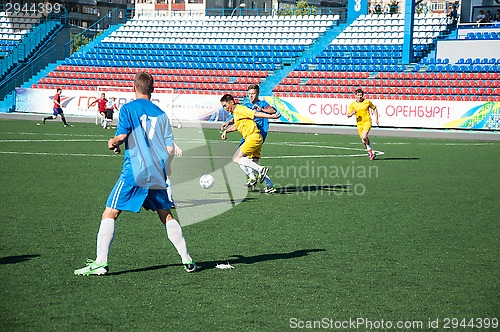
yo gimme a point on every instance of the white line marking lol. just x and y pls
(57, 154)
(49, 140)
(294, 144)
(49, 134)
(184, 156)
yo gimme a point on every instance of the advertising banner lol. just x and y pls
(183, 107)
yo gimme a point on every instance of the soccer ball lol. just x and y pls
(207, 181)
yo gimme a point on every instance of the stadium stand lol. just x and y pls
(13, 28)
(368, 53)
(191, 55)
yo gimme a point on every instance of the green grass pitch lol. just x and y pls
(412, 236)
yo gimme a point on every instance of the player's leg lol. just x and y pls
(171, 155)
(366, 140)
(106, 234)
(109, 118)
(251, 180)
(249, 172)
(267, 179)
(51, 117)
(251, 147)
(175, 235)
(63, 118)
(270, 188)
(105, 238)
(158, 200)
(103, 119)
(122, 198)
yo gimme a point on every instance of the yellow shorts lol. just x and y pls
(252, 145)
(364, 126)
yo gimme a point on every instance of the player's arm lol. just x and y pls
(267, 115)
(58, 103)
(227, 124)
(375, 112)
(177, 150)
(351, 112)
(114, 143)
(228, 130)
(268, 110)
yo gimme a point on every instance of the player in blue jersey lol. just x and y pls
(257, 105)
(146, 131)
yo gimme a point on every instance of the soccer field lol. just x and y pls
(409, 240)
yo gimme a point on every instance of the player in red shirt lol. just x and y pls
(57, 110)
(101, 104)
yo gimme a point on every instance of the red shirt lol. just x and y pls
(57, 98)
(102, 104)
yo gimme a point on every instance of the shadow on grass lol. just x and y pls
(299, 189)
(16, 259)
(238, 259)
(200, 202)
(397, 158)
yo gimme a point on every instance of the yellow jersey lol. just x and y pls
(244, 121)
(362, 110)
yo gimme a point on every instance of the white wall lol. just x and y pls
(456, 49)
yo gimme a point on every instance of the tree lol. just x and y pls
(78, 42)
(301, 8)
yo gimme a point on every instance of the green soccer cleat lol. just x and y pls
(270, 190)
(251, 184)
(93, 268)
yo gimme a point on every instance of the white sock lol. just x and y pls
(245, 161)
(169, 189)
(248, 171)
(368, 147)
(174, 232)
(105, 239)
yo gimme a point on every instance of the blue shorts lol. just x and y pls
(57, 111)
(125, 197)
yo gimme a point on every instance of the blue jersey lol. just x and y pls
(262, 123)
(149, 133)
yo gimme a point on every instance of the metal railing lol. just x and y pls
(92, 32)
(31, 41)
(30, 69)
(243, 11)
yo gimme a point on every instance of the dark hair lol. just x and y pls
(226, 98)
(253, 87)
(358, 91)
(58, 89)
(143, 83)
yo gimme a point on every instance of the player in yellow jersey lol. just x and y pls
(245, 124)
(361, 107)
